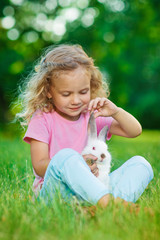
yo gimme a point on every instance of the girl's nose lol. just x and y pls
(75, 99)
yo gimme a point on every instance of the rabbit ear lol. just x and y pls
(92, 128)
(103, 134)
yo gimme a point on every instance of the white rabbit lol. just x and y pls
(97, 146)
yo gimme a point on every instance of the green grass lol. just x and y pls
(21, 218)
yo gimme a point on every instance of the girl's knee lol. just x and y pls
(139, 160)
(130, 181)
(65, 157)
(66, 154)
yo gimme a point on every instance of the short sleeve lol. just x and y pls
(37, 129)
(103, 121)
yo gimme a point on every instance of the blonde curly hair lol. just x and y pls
(55, 61)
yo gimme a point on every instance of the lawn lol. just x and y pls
(21, 218)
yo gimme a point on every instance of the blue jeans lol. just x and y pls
(68, 173)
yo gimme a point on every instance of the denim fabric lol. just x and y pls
(69, 174)
(131, 179)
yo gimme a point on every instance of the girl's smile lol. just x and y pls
(71, 93)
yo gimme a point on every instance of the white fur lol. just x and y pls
(96, 146)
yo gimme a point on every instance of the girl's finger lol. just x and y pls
(90, 156)
(93, 167)
(102, 101)
(90, 105)
(98, 114)
(96, 102)
(93, 104)
(96, 172)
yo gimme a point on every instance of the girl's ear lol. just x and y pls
(49, 95)
(103, 134)
(92, 128)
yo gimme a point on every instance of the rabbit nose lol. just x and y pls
(103, 155)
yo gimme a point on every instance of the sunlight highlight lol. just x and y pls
(8, 22)
(13, 34)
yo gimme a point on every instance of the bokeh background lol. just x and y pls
(122, 36)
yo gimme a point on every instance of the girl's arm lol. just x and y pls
(39, 156)
(124, 124)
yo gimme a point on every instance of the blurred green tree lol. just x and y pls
(123, 37)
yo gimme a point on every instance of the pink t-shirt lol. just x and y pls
(59, 133)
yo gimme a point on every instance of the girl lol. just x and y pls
(57, 102)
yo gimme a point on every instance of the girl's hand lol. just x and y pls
(90, 160)
(104, 107)
(123, 124)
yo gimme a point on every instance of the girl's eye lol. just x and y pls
(65, 94)
(94, 148)
(84, 91)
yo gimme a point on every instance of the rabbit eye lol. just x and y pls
(94, 148)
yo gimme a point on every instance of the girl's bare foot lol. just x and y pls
(103, 202)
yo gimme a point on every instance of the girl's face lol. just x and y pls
(71, 93)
